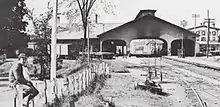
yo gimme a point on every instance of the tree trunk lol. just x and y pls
(42, 74)
(42, 70)
(85, 37)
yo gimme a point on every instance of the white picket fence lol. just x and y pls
(74, 84)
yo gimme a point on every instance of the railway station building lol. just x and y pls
(201, 41)
(146, 26)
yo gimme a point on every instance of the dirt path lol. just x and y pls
(121, 88)
(178, 78)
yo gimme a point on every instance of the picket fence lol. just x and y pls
(74, 84)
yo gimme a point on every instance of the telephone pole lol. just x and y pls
(195, 16)
(54, 42)
(208, 20)
(183, 23)
(88, 43)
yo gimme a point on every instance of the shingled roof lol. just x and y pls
(143, 15)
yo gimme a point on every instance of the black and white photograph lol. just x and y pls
(109, 53)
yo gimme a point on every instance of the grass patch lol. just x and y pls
(95, 86)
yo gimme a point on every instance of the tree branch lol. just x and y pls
(81, 11)
(83, 4)
(87, 1)
(91, 5)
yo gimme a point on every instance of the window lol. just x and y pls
(213, 39)
(214, 33)
(203, 32)
(203, 39)
(198, 32)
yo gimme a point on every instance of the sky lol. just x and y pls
(173, 11)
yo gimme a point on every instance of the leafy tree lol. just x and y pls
(42, 35)
(85, 10)
(12, 25)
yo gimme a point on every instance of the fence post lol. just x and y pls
(45, 91)
(107, 69)
(103, 67)
(33, 100)
(87, 77)
(90, 72)
(71, 85)
(15, 97)
(94, 68)
(65, 87)
(75, 85)
(93, 71)
(99, 68)
(54, 91)
(19, 101)
(79, 82)
(84, 79)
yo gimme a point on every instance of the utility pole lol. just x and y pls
(208, 20)
(103, 28)
(195, 16)
(88, 45)
(54, 42)
(183, 23)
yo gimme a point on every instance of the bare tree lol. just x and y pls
(85, 8)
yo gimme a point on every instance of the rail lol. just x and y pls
(202, 104)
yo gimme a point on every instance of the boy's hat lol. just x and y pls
(22, 55)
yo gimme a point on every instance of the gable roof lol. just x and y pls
(201, 26)
(150, 16)
(74, 31)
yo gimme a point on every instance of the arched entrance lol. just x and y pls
(115, 46)
(188, 45)
(148, 47)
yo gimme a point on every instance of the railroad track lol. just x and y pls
(191, 88)
(195, 64)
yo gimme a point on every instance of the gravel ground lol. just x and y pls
(205, 81)
(121, 89)
(178, 78)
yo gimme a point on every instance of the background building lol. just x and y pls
(201, 41)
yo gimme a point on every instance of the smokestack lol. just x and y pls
(58, 20)
(213, 25)
(201, 24)
(96, 18)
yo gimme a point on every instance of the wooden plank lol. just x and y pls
(87, 78)
(107, 69)
(84, 79)
(80, 83)
(71, 86)
(75, 85)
